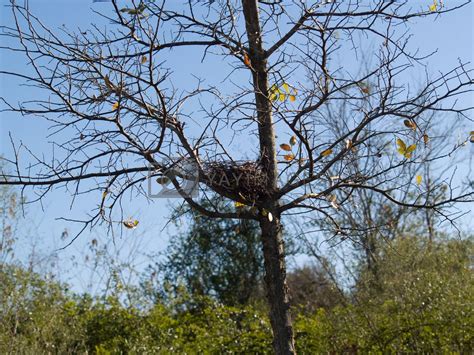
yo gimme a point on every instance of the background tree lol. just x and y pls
(111, 93)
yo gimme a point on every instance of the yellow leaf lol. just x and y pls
(115, 106)
(326, 152)
(104, 194)
(434, 7)
(238, 204)
(293, 140)
(289, 157)
(410, 124)
(292, 98)
(144, 59)
(401, 146)
(286, 87)
(282, 97)
(273, 97)
(419, 179)
(286, 147)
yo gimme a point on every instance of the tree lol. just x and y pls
(219, 258)
(113, 97)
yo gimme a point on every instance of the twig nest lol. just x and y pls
(237, 180)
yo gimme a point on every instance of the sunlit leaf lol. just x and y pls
(238, 204)
(247, 61)
(282, 97)
(285, 147)
(401, 146)
(434, 6)
(293, 140)
(115, 106)
(292, 98)
(130, 224)
(326, 152)
(419, 179)
(286, 87)
(289, 157)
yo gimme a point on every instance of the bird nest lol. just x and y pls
(241, 181)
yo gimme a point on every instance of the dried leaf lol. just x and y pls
(162, 180)
(144, 59)
(293, 140)
(247, 61)
(286, 147)
(426, 138)
(326, 152)
(289, 157)
(410, 124)
(130, 224)
(292, 98)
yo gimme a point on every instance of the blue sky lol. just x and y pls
(452, 35)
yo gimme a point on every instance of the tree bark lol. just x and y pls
(272, 241)
(276, 287)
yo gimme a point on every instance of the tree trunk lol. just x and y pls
(272, 241)
(276, 287)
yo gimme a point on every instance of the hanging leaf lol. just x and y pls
(326, 152)
(282, 97)
(289, 157)
(247, 60)
(144, 59)
(426, 138)
(286, 87)
(292, 98)
(404, 150)
(162, 180)
(104, 194)
(115, 106)
(285, 147)
(419, 179)
(264, 212)
(130, 224)
(293, 140)
(434, 7)
(410, 124)
(364, 87)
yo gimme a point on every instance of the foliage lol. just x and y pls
(421, 305)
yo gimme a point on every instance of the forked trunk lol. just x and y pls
(276, 287)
